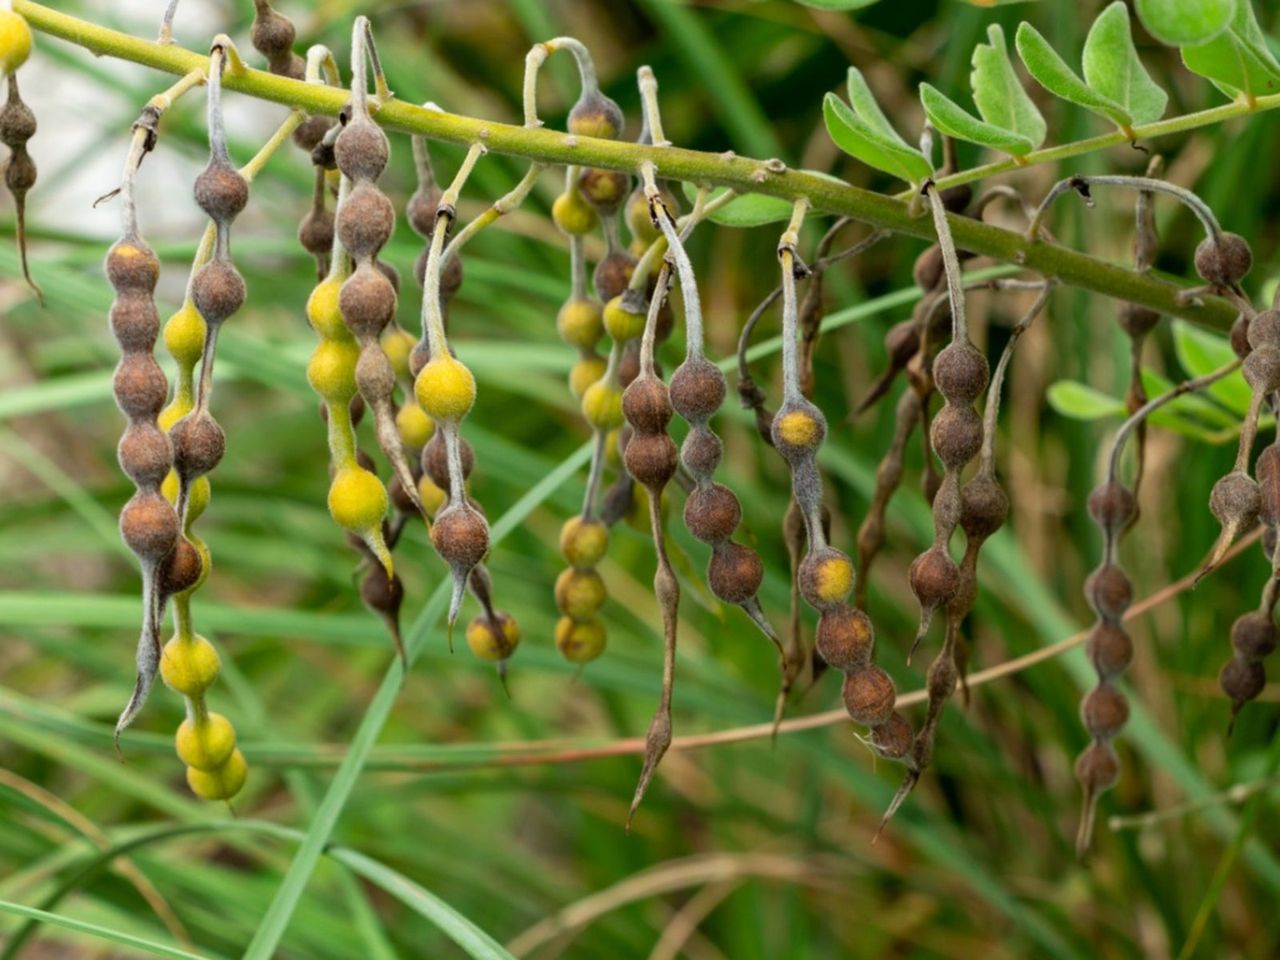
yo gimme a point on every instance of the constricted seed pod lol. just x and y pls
(1109, 592)
(148, 526)
(221, 192)
(845, 638)
(1104, 711)
(825, 578)
(961, 373)
(712, 512)
(1253, 636)
(892, 739)
(1109, 648)
(697, 389)
(494, 639)
(1112, 506)
(461, 536)
(595, 115)
(361, 151)
(869, 695)
(651, 459)
(217, 290)
(365, 220)
(734, 572)
(956, 435)
(1225, 263)
(580, 641)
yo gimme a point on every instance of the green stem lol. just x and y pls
(742, 174)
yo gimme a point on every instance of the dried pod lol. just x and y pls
(961, 373)
(1109, 592)
(734, 572)
(845, 638)
(869, 695)
(1112, 506)
(1224, 263)
(221, 192)
(712, 512)
(1104, 711)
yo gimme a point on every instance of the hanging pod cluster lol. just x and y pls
(418, 392)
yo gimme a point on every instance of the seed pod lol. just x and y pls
(956, 435)
(845, 638)
(1137, 321)
(1235, 501)
(1112, 506)
(198, 445)
(869, 695)
(583, 542)
(1104, 711)
(1253, 636)
(365, 220)
(1242, 681)
(493, 639)
(595, 115)
(1264, 329)
(1240, 337)
(603, 189)
(579, 642)
(825, 578)
(1097, 768)
(221, 192)
(651, 459)
(712, 512)
(697, 389)
(1109, 649)
(1261, 368)
(461, 536)
(1109, 592)
(735, 573)
(961, 373)
(647, 406)
(362, 151)
(149, 526)
(1225, 263)
(580, 593)
(934, 578)
(612, 274)
(218, 290)
(892, 739)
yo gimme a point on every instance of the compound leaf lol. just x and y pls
(1182, 22)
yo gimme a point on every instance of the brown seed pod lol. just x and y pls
(701, 452)
(1240, 336)
(1097, 768)
(132, 266)
(603, 189)
(272, 35)
(650, 458)
(149, 525)
(1112, 506)
(892, 739)
(934, 578)
(1104, 711)
(1223, 264)
(181, 569)
(361, 151)
(961, 373)
(1267, 470)
(310, 133)
(421, 210)
(927, 271)
(1137, 321)
(435, 460)
(365, 220)
(367, 301)
(460, 535)
(1242, 681)
(734, 572)
(1264, 329)
(144, 453)
(845, 638)
(1109, 648)
(1261, 368)
(19, 173)
(221, 192)
(956, 434)
(218, 290)
(869, 695)
(1236, 500)
(17, 122)
(380, 594)
(647, 405)
(697, 389)
(140, 386)
(984, 507)
(1253, 636)
(198, 445)
(315, 233)
(1109, 592)
(712, 512)
(612, 274)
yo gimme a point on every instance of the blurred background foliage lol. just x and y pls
(744, 851)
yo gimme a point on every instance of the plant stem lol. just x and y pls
(742, 174)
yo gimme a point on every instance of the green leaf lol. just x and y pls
(1200, 352)
(856, 137)
(1051, 72)
(1112, 68)
(998, 93)
(950, 118)
(838, 4)
(1079, 401)
(1181, 22)
(868, 109)
(1237, 60)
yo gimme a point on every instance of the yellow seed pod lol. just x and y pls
(586, 372)
(189, 665)
(832, 578)
(580, 593)
(643, 232)
(332, 370)
(184, 334)
(415, 427)
(602, 405)
(579, 323)
(177, 408)
(198, 498)
(15, 41)
(572, 214)
(207, 743)
(397, 344)
(171, 486)
(432, 497)
(621, 323)
(323, 312)
(222, 783)
(445, 389)
(357, 500)
(579, 641)
(799, 429)
(490, 644)
(583, 542)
